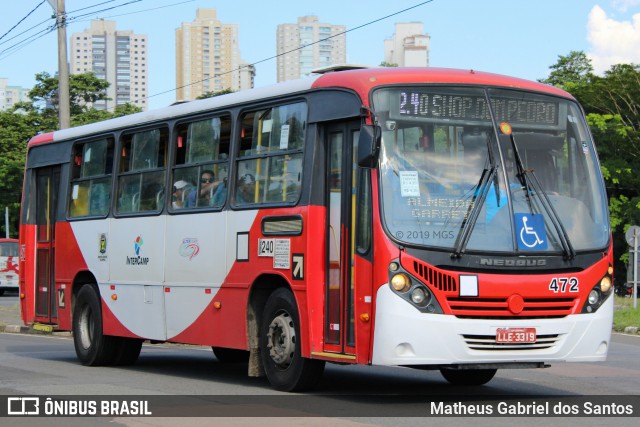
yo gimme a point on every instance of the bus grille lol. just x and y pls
(441, 281)
(492, 308)
(488, 342)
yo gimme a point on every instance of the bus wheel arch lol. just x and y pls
(258, 296)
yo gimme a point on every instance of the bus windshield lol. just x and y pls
(488, 170)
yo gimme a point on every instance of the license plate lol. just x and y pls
(515, 335)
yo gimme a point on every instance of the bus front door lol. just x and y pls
(347, 187)
(47, 189)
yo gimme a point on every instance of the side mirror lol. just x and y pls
(369, 146)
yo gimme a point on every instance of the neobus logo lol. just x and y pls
(137, 259)
(497, 262)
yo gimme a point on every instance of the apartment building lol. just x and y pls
(409, 45)
(10, 95)
(119, 57)
(307, 45)
(208, 57)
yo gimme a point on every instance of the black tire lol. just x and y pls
(230, 355)
(127, 351)
(92, 347)
(468, 377)
(285, 368)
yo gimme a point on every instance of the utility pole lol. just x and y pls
(64, 109)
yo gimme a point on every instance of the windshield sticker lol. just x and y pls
(409, 186)
(532, 235)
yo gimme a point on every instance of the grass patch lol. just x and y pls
(624, 314)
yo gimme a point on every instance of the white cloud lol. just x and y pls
(624, 5)
(613, 42)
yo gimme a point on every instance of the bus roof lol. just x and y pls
(363, 80)
(359, 80)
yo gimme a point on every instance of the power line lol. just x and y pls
(30, 39)
(293, 50)
(20, 21)
(146, 10)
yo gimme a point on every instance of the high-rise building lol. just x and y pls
(10, 95)
(307, 45)
(119, 57)
(208, 58)
(409, 46)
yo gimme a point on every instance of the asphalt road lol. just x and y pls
(361, 395)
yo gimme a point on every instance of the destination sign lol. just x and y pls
(473, 108)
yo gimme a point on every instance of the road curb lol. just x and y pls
(21, 329)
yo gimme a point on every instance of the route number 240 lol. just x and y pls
(564, 284)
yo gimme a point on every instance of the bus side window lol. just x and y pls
(91, 172)
(270, 155)
(142, 171)
(201, 163)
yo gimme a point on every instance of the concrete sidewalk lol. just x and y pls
(11, 319)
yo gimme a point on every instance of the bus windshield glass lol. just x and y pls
(488, 170)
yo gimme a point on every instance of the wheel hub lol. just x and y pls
(281, 340)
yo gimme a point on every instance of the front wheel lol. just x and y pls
(468, 376)
(280, 345)
(92, 347)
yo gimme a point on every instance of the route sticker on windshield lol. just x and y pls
(531, 234)
(409, 185)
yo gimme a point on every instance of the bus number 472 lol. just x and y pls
(564, 284)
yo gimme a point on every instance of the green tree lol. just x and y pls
(388, 64)
(571, 70)
(84, 89)
(40, 115)
(211, 94)
(612, 104)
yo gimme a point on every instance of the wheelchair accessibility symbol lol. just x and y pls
(531, 232)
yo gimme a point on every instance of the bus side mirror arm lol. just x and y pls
(369, 146)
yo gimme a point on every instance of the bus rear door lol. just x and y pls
(47, 189)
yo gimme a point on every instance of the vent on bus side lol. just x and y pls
(435, 278)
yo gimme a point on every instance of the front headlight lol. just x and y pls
(400, 282)
(605, 284)
(599, 293)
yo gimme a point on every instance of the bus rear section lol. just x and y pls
(9, 266)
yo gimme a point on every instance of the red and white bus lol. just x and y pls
(9, 272)
(429, 218)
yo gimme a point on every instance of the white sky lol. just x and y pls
(516, 37)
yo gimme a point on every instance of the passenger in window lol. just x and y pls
(220, 194)
(208, 188)
(246, 190)
(180, 193)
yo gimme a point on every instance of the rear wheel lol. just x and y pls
(127, 350)
(230, 355)
(468, 376)
(92, 347)
(283, 364)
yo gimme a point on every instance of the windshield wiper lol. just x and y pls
(528, 180)
(479, 196)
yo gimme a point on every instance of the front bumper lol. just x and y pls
(405, 336)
